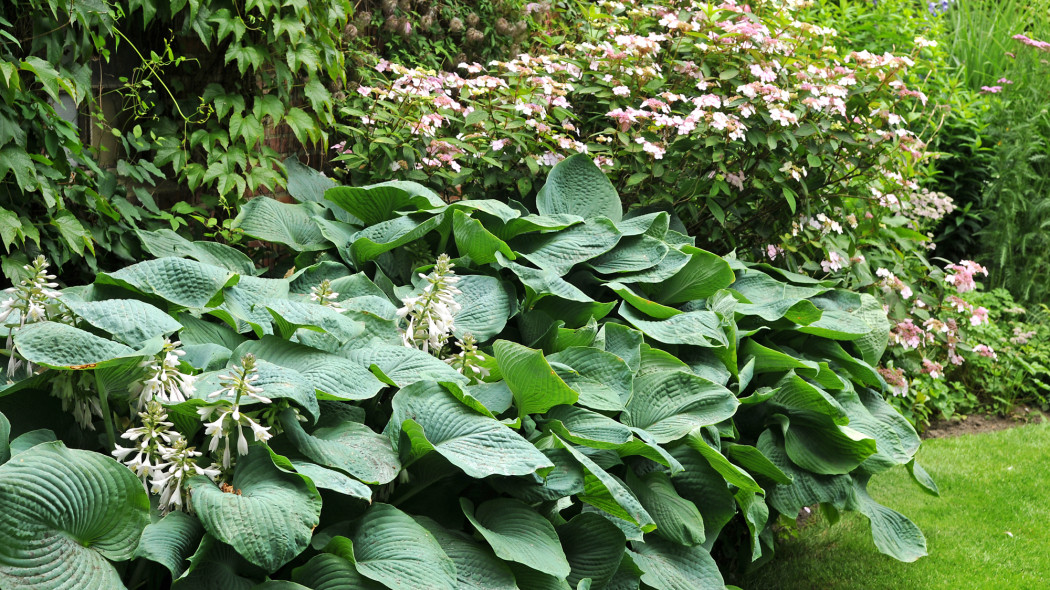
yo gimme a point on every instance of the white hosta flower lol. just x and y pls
(240, 382)
(468, 360)
(181, 464)
(164, 380)
(150, 443)
(229, 421)
(35, 300)
(324, 295)
(430, 316)
(76, 390)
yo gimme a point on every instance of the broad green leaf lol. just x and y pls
(923, 478)
(267, 219)
(518, 533)
(892, 532)
(577, 187)
(808, 488)
(73, 232)
(669, 566)
(165, 242)
(587, 428)
(374, 240)
(702, 276)
(624, 342)
(767, 297)
(565, 479)
(476, 566)
(61, 346)
(646, 306)
(756, 514)
(377, 203)
(531, 223)
(607, 493)
(530, 579)
(699, 328)
(185, 283)
(632, 254)
(28, 440)
(67, 514)
(5, 435)
(861, 310)
(171, 541)
(535, 385)
(197, 331)
(560, 251)
(348, 446)
(128, 320)
(593, 546)
(289, 316)
(801, 399)
(677, 519)
(473, 240)
(753, 460)
(403, 365)
(821, 446)
(672, 263)
(217, 566)
(671, 404)
(330, 479)
(733, 474)
(332, 572)
(542, 283)
(497, 209)
(334, 376)
(394, 550)
(603, 380)
(705, 488)
(837, 325)
(433, 419)
(487, 305)
(270, 522)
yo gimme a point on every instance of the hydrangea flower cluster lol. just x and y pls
(160, 454)
(962, 279)
(238, 384)
(164, 380)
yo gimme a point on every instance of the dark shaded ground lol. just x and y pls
(983, 423)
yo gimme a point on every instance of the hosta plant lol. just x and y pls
(465, 395)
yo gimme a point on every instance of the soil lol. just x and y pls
(974, 424)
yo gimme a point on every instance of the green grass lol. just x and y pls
(991, 484)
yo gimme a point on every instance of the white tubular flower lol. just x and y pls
(324, 295)
(75, 389)
(229, 418)
(35, 300)
(430, 316)
(181, 464)
(164, 380)
(468, 360)
(150, 443)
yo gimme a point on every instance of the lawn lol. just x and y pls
(989, 528)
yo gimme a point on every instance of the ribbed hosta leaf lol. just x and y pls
(165, 242)
(892, 532)
(677, 519)
(807, 488)
(671, 404)
(331, 572)
(476, 567)
(186, 283)
(576, 186)
(473, 240)
(701, 277)
(669, 566)
(5, 435)
(603, 380)
(587, 428)
(607, 493)
(535, 385)
(374, 240)
(267, 219)
(330, 479)
(376, 203)
(632, 254)
(487, 304)
(394, 550)
(171, 541)
(593, 546)
(65, 513)
(404, 365)
(276, 382)
(217, 566)
(518, 533)
(334, 376)
(767, 297)
(699, 328)
(540, 283)
(560, 251)
(646, 306)
(348, 446)
(270, 521)
(56, 345)
(130, 321)
(433, 419)
(290, 316)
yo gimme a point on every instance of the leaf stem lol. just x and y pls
(107, 416)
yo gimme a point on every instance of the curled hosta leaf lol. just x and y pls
(65, 513)
(331, 572)
(170, 541)
(56, 345)
(269, 521)
(669, 566)
(128, 320)
(476, 567)
(185, 283)
(576, 186)
(671, 404)
(518, 533)
(348, 446)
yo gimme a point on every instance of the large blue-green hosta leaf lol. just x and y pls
(388, 546)
(171, 541)
(671, 404)
(60, 346)
(333, 376)
(272, 518)
(518, 533)
(267, 219)
(702, 276)
(432, 418)
(476, 566)
(535, 385)
(487, 304)
(164, 242)
(669, 566)
(185, 283)
(130, 321)
(560, 251)
(65, 513)
(576, 186)
(892, 532)
(347, 446)
(328, 571)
